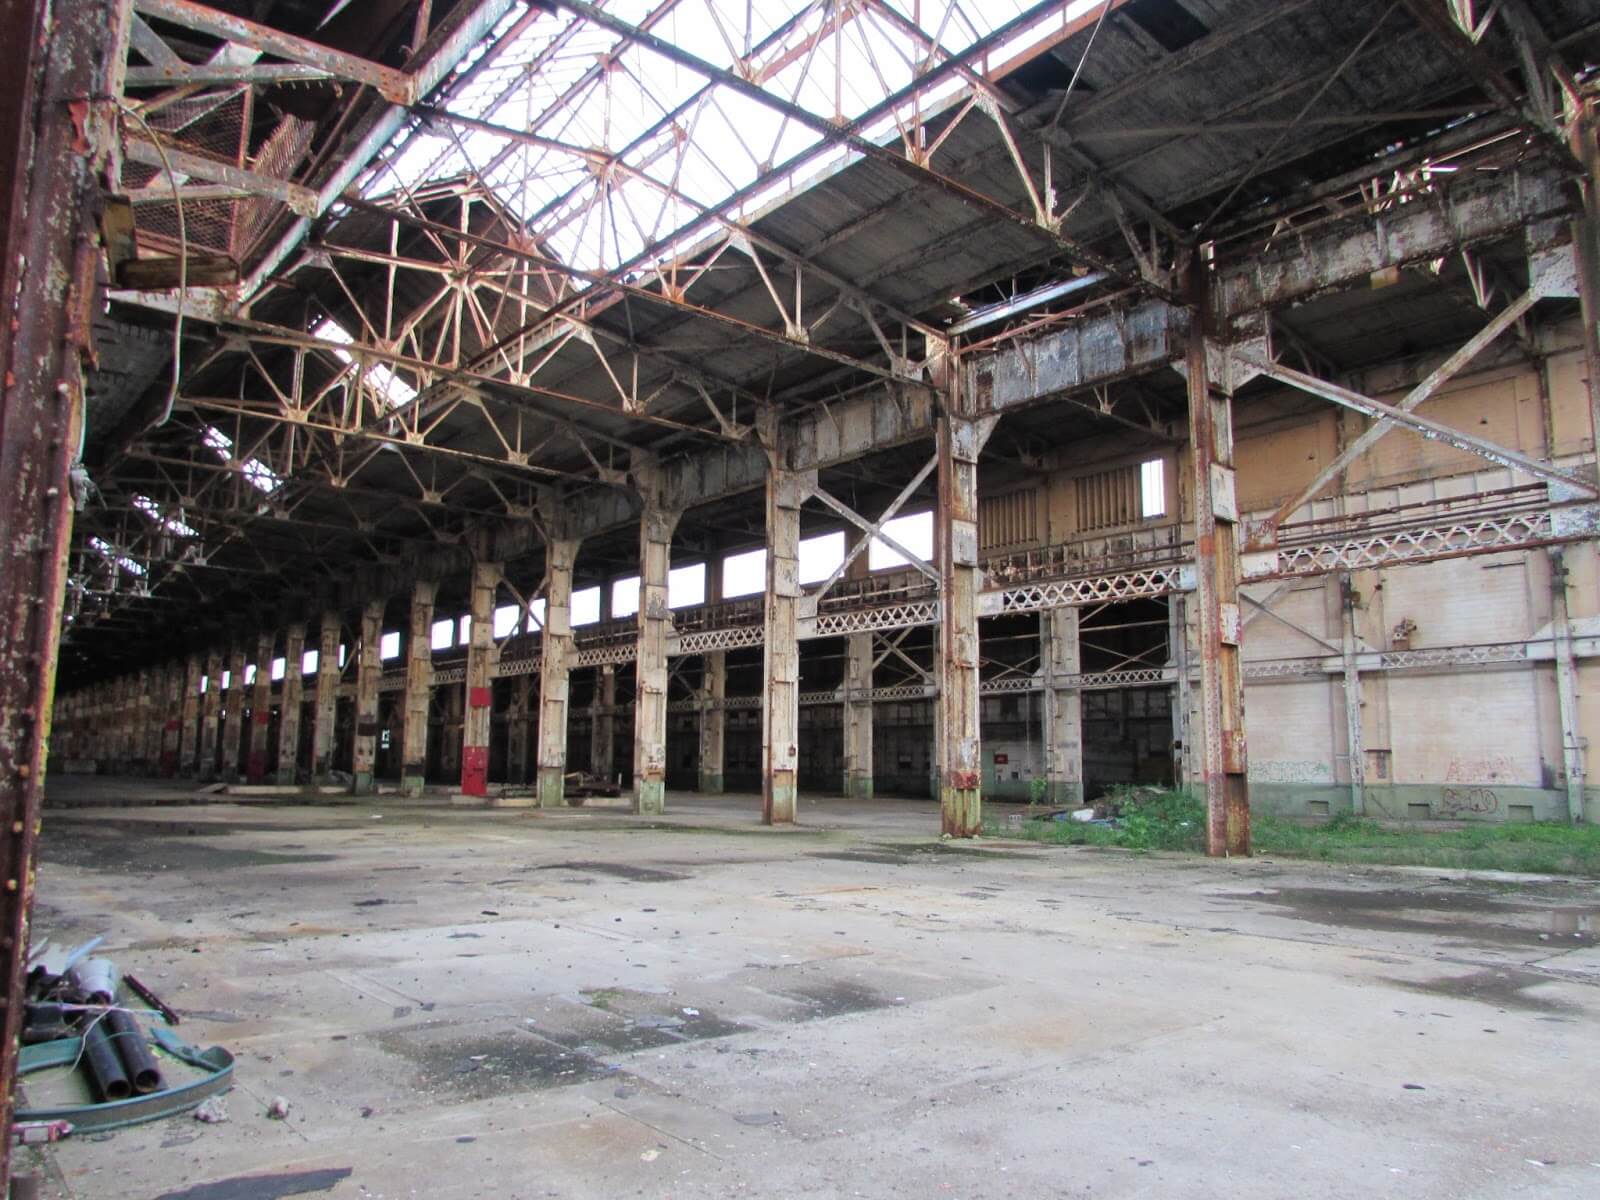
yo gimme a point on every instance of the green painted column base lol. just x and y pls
(1061, 791)
(551, 787)
(361, 783)
(287, 777)
(711, 784)
(779, 807)
(961, 811)
(411, 785)
(858, 787)
(649, 797)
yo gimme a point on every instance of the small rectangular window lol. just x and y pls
(389, 645)
(536, 615)
(505, 621)
(914, 532)
(308, 662)
(278, 667)
(443, 634)
(586, 606)
(249, 674)
(820, 555)
(744, 574)
(465, 627)
(625, 596)
(686, 586)
(1153, 488)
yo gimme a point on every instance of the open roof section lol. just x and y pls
(620, 155)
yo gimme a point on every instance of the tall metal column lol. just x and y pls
(961, 437)
(146, 722)
(419, 689)
(1573, 743)
(294, 653)
(603, 723)
(327, 698)
(233, 715)
(657, 524)
(57, 126)
(482, 654)
(1063, 706)
(210, 715)
(780, 696)
(1221, 760)
(369, 668)
(189, 715)
(713, 722)
(858, 716)
(261, 709)
(1178, 660)
(555, 671)
(172, 706)
(1354, 742)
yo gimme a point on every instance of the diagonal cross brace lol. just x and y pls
(875, 529)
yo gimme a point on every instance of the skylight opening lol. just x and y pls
(594, 98)
(379, 376)
(107, 550)
(171, 524)
(256, 471)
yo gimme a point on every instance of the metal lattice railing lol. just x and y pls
(1066, 593)
(893, 616)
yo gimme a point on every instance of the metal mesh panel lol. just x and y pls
(215, 125)
(280, 154)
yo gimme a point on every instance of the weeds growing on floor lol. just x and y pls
(1175, 820)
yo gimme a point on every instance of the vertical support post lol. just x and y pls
(369, 667)
(858, 717)
(419, 689)
(294, 654)
(780, 700)
(146, 728)
(603, 726)
(1221, 761)
(713, 722)
(327, 700)
(1572, 740)
(657, 523)
(1063, 706)
(1586, 246)
(261, 709)
(1355, 746)
(961, 437)
(482, 653)
(1178, 659)
(555, 671)
(233, 715)
(173, 709)
(189, 715)
(210, 714)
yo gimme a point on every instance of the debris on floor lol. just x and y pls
(91, 1064)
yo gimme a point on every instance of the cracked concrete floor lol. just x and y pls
(462, 1003)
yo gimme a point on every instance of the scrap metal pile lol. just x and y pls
(97, 1063)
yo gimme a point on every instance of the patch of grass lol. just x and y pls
(1175, 820)
(1550, 847)
(602, 998)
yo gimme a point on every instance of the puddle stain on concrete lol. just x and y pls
(1492, 919)
(626, 871)
(477, 1068)
(263, 1187)
(1502, 987)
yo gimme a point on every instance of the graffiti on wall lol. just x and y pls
(1290, 770)
(1467, 800)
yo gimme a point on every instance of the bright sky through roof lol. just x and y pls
(396, 391)
(552, 80)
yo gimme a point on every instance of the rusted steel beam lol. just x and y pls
(657, 523)
(57, 129)
(395, 86)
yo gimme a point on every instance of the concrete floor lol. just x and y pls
(512, 1004)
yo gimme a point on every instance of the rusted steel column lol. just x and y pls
(173, 709)
(1221, 759)
(233, 715)
(419, 690)
(780, 695)
(555, 669)
(482, 654)
(1586, 244)
(960, 440)
(149, 718)
(369, 667)
(57, 125)
(518, 719)
(603, 723)
(858, 716)
(294, 653)
(210, 715)
(1063, 706)
(1573, 743)
(657, 523)
(327, 698)
(713, 722)
(189, 716)
(261, 709)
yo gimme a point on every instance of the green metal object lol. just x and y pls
(216, 1062)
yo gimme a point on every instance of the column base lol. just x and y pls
(361, 783)
(649, 797)
(411, 784)
(475, 770)
(287, 776)
(778, 802)
(551, 787)
(711, 784)
(961, 806)
(1062, 791)
(858, 787)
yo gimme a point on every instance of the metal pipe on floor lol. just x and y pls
(134, 1051)
(104, 1067)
